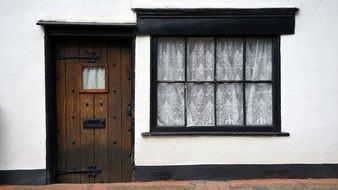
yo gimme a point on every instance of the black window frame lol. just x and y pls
(217, 22)
(274, 129)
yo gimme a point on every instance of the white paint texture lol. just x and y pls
(309, 89)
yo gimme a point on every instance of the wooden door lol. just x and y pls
(93, 121)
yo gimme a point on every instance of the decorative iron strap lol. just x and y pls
(91, 56)
(92, 171)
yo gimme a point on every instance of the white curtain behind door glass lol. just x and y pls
(93, 78)
(200, 59)
(170, 59)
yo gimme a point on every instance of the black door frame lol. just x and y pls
(55, 31)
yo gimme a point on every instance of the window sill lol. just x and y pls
(150, 134)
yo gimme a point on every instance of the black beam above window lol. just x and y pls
(266, 21)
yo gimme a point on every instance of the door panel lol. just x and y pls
(72, 113)
(126, 105)
(114, 101)
(78, 149)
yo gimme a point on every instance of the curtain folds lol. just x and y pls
(93, 78)
(211, 95)
(200, 59)
(170, 59)
(200, 105)
(229, 104)
(258, 59)
(259, 104)
(229, 59)
(170, 103)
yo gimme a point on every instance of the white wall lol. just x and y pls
(309, 91)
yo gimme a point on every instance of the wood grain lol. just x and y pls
(126, 120)
(87, 111)
(100, 110)
(108, 148)
(114, 113)
(72, 116)
(61, 131)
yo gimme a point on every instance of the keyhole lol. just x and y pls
(87, 104)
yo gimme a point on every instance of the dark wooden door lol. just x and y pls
(93, 121)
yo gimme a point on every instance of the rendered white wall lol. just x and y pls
(309, 91)
(309, 101)
(22, 102)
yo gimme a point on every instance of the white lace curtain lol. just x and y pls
(195, 100)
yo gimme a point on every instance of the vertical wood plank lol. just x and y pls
(100, 134)
(114, 113)
(126, 120)
(87, 137)
(100, 110)
(87, 111)
(61, 130)
(73, 125)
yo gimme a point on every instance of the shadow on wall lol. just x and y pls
(2, 134)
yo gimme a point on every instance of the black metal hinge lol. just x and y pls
(92, 171)
(91, 56)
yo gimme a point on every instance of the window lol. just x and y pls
(94, 78)
(215, 83)
(215, 71)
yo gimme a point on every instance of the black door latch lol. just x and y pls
(129, 111)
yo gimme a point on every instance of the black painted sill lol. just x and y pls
(210, 133)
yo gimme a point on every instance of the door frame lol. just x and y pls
(55, 31)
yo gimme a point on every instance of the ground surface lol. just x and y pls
(259, 184)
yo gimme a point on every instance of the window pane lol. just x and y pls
(200, 105)
(170, 104)
(170, 60)
(258, 104)
(229, 106)
(229, 59)
(200, 59)
(93, 78)
(258, 59)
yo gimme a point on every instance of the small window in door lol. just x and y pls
(94, 78)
